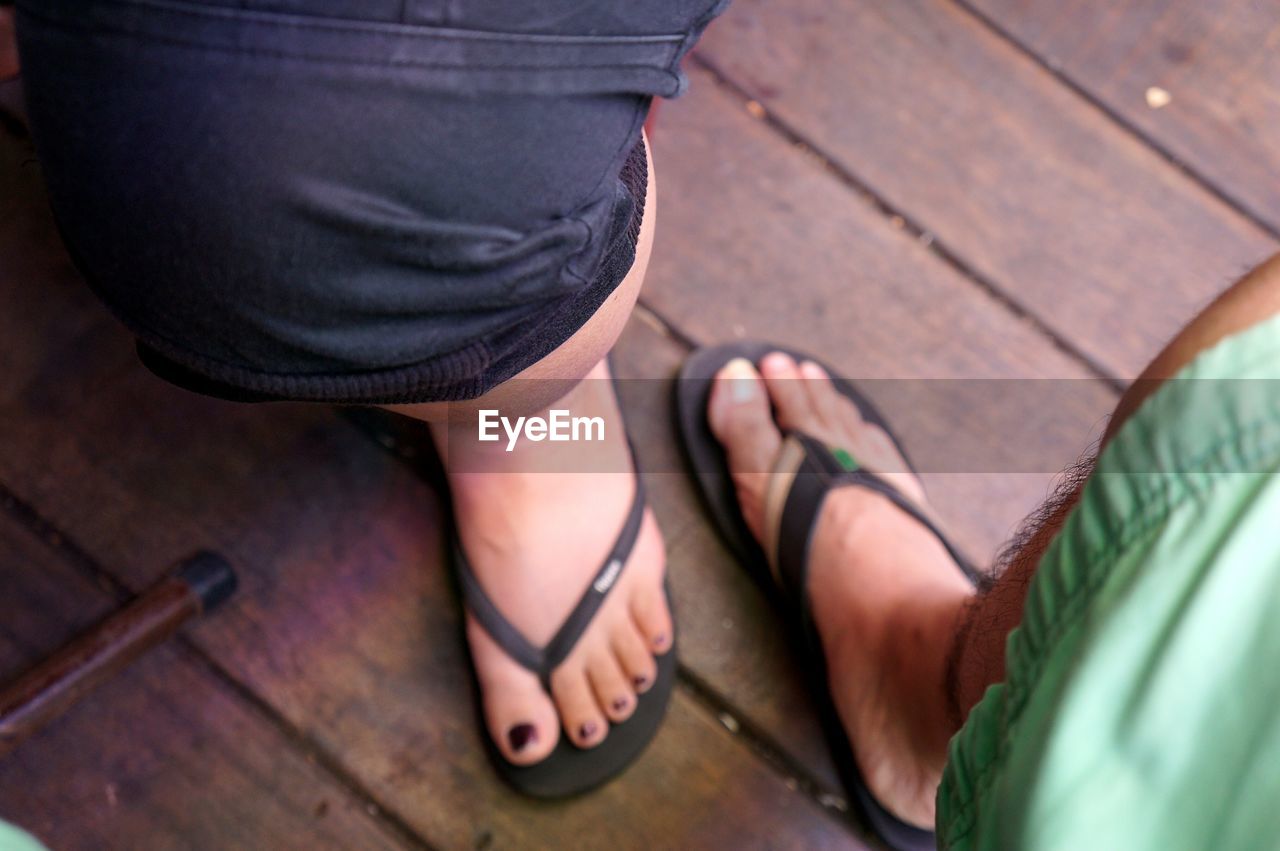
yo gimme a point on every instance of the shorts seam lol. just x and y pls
(637, 122)
(389, 381)
(351, 26)
(327, 59)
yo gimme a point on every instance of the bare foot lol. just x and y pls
(535, 539)
(885, 593)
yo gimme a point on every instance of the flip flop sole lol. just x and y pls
(569, 771)
(710, 468)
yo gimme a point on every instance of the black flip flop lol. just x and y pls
(569, 770)
(806, 471)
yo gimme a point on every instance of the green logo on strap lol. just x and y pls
(844, 459)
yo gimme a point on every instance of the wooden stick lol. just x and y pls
(50, 688)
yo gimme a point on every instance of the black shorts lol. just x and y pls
(349, 200)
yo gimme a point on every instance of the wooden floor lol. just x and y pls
(973, 189)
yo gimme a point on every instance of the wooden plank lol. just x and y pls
(1219, 61)
(757, 240)
(164, 755)
(345, 623)
(1026, 183)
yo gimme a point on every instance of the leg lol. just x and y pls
(519, 515)
(458, 213)
(978, 659)
(911, 647)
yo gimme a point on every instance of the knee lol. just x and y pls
(1268, 273)
(1251, 300)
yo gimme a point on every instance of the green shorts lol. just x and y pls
(1141, 708)
(15, 839)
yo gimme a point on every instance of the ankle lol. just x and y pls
(920, 642)
(889, 609)
(899, 671)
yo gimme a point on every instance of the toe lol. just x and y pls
(824, 401)
(614, 695)
(583, 721)
(739, 416)
(649, 611)
(521, 718)
(635, 657)
(787, 389)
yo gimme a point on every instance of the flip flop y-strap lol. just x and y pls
(543, 660)
(806, 471)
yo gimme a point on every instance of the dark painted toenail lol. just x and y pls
(620, 704)
(661, 640)
(587, 730)
(521, 736)
(640, 682)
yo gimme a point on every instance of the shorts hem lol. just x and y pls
(452, 377)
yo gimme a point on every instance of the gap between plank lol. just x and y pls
(929, 240)
(330, 766)
(793, 772)
(1050, 67)
(663, 324)
(758, 743)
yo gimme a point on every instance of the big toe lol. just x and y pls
(520, 716)
(740, 417)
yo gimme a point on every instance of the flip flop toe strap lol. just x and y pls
(805, 472)
(543, 660)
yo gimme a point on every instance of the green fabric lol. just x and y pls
(16, 839)
(1141, 708)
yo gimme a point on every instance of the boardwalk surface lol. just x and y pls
(966, 190)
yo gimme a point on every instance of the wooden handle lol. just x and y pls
(55, 684)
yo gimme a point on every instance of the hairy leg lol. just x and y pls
(911, 646)
(977, 658)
